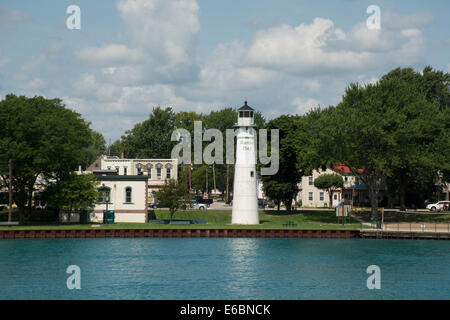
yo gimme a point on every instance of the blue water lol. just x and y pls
(224, 268)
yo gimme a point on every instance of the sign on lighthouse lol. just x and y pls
(245, 202)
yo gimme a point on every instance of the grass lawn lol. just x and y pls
(219, 219)
(397, 217)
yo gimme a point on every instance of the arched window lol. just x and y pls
(168, 170)
(158, 171)
(128, 195)
(149, 170)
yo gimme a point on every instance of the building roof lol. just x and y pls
(343, 169)
(121, 178)
(245, 107)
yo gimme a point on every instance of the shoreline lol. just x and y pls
(220, 233)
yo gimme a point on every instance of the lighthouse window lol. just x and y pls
(241, 114)
(252, 174)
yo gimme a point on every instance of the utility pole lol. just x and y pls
(190, 182)
(10, 192)
(207, 179)
(228, 181)
(185, 177)
(214, 177)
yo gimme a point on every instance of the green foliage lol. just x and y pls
(95, 149)
(172, 195)
(73, 193)
(282, 187)
(387, 129)
(152, 137)
(41, 137)
(329, 183)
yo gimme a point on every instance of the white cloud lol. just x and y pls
(158, 43)
(312, 85)
(320, 47)
(228, 68)
(109, 55)
(303, 106)
(32, 85)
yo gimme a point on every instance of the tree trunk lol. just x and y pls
(330, 195)
(171, 215)
(30, 205)
(390, 203)
(278, 206)
(288, 205)
(402, 192)
(373, 191)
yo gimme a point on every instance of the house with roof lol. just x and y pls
(354, 191)
(127, 185)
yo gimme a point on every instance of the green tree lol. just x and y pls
(380, 127)
(95, 149)
(172, 195)
(73, 193)
(329, 183)
(152, 137)
(419, 163)
(282, 187)
(43, 138)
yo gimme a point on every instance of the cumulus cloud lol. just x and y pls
(280, 69)
(109, 55)
(303, 106)
(159, 35)
(321, 47)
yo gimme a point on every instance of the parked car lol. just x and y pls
(262, 203)
(200, 206)
(200, 199)
(438, 206)
(155, 205)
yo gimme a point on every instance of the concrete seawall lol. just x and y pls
(177, 233)
(219, 233)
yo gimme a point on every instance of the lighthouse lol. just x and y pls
(245, 201)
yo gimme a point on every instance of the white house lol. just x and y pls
(353, 190)
(126, 195)
(156, 171)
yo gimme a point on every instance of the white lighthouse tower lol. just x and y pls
(245, 201)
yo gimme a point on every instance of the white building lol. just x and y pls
(310, 196)
(125, 195)
(128, 184)
(245, 202)
(157, 171)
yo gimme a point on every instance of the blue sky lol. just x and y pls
(283, 56)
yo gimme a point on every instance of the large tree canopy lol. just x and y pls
(383, 127)
(41, 137)
(152, 137)
(282, 187)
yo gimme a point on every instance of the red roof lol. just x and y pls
(345, 170)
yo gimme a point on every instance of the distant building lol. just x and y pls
(126, 195)
(129, 185)
(354, 191)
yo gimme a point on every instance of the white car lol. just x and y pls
(200, 206)
(438, 206)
